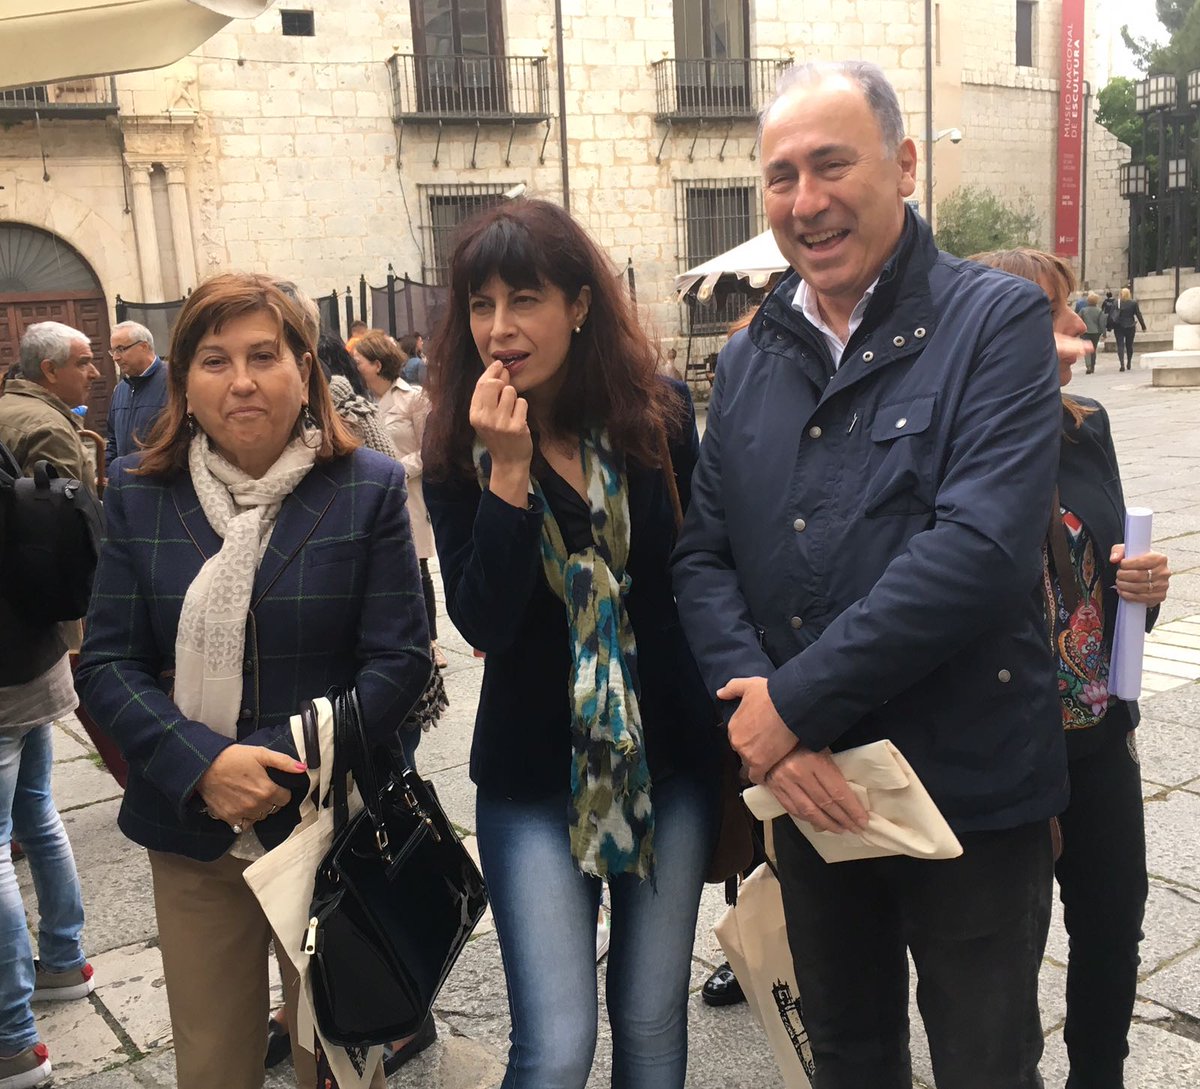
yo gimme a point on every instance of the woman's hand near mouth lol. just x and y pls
(499, 418)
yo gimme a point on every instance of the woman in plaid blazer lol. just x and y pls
(251, 502)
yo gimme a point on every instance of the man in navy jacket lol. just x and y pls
(860, 561)
(141, 394)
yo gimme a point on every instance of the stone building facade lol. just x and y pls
(325, 143)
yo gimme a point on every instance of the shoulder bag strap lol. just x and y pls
(1060, 556)
(668, 470)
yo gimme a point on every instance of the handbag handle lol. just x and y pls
(352, 757)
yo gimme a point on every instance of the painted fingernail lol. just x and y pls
(301, 766)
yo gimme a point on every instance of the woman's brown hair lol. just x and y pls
(217, 301)
(1054, 276)
(611, 380)
(382, 349)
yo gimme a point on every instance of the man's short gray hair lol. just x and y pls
(141, 335)
(870, 78)
(312, 313)
(47, 340)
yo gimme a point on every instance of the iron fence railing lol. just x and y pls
(705, 89)
(468, 88)
(73, 98)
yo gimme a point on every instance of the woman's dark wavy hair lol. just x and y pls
(611, 381)
(331, 351)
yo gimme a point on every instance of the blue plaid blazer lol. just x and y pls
(337, 601)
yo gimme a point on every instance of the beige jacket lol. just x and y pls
(404, 409)
(36, 425)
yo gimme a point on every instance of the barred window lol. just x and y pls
(446, 208)
(297, 24)
(1026, 17)
(712, 216)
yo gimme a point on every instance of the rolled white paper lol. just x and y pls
(1129, 639)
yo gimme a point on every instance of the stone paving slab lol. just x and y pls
(1172, 843)
(129, 981)
(81, 1041)
(1169, 751)
(1175, 985)
(70, 742)
(79, 783)
(1170, 927)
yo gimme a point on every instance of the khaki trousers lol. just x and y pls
(214, 940)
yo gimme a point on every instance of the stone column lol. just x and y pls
(181, 226)
(147, 233)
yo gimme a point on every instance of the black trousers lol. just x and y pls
(430, 599)
(1124, 343)
(976, 926)
(1102, 884)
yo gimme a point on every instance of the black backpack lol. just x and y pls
(50, 533)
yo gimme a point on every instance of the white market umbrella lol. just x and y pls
(48, 41)
(755, 261)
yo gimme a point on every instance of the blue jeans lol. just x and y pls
(27, 813)
(545, 912)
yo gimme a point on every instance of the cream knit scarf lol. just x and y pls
(210, 643)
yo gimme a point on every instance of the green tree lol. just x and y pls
(1115, 111)
(1181, 53)
(1173, 13)
(974, 220)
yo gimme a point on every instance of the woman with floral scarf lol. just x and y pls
(1102, 868)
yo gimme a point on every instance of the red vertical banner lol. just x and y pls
(1070, 131)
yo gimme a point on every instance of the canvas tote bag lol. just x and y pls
(753, 935)
(282, 880)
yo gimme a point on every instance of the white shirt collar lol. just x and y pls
(805, 300)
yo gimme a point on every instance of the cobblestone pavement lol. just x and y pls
(121, 1038)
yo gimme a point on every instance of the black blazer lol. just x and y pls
(1127, 313)
(1089, 485)
(498, 598)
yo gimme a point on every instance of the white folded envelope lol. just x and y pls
(903, 819)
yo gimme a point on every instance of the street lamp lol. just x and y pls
(1177, 184)
(1193, 87)
(1162, 93)
(1155, 98)
(1135, 180)
(1135, 188)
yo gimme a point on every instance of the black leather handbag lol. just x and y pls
(395, 898)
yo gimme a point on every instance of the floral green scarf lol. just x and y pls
(611, 818)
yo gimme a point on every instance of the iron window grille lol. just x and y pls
(77, 98)
(446, 208)
(714, 215)
(297, 24)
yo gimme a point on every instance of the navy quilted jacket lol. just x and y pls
(869, 539)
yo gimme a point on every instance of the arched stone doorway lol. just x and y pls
(43, 278)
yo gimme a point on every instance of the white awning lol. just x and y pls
(49, 41)
(755, 262)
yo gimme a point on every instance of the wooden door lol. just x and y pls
(82, 310)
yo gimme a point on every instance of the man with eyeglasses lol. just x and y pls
(140, 395)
